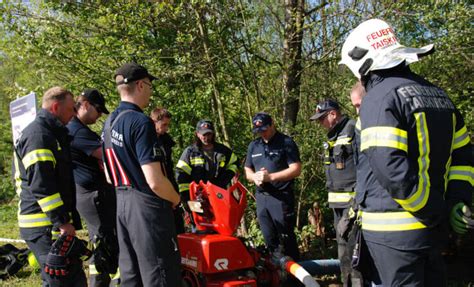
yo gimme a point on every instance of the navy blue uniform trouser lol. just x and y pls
(149, 254)
(98, 208)
(419, 268)
(40, 246)
(349, 276)
(276, 216)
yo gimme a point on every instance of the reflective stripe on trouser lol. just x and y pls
(340, 196)
(390, 221)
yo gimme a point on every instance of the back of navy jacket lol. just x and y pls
(413, 144)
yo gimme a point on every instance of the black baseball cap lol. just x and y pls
(204, 126)
(132, 72)
(323, 108)
(261, 122)
(95, 98)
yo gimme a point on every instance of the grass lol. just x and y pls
(9, 229)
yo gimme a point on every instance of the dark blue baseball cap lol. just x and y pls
(323, 108)
(204, 126)
(261, 122)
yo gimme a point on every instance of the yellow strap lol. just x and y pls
(184, 166)
(461, 138)
(50, 202)
(462, 172)
(384, 137)
(197, 160)
(183, 187)
(33, 220)
(418, 200)
(343, 141)
(390, 221)
(340, 196)
(38, 155)
(357, 126)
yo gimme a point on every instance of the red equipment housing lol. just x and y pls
(212, 256)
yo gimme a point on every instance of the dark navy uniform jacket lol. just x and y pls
(43, 176)
(135, 143)
(87, 171)
(276, 155)
(415, 159)
(166, 144)
(339, 163)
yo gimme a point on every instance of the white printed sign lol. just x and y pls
(22, 112)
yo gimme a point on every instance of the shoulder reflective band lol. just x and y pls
(183, 187)
(184, 166)
(340, 196)
(462, 172)
(50, 202)
(343, 141)
(390, 221)
(357, 126)
(384, 137)
(418, 200)
(33, 220)
(461, 138)
(17, 175)
(38, 155)
(231, 165)
(197, 160)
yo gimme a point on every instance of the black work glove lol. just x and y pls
(65, 248)
(106, 255)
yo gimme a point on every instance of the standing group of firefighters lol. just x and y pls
(395, 178)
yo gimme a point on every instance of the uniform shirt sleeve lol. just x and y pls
(461, 172)
(147, 146)
(248, 160)
(292, 152)
(38, 159)
(86, 141)
(385, 141)
(183, 173)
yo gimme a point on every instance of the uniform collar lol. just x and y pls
(377, 76)
(338, 127)
(129, 106)
(53, 123)
(167, 140)
(276, 135)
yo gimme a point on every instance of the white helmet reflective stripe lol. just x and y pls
(373, 45)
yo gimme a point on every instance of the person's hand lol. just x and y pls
(265, 175)
(461, 218)
(67, 229)
(258, 178)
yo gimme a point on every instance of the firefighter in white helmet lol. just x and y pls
(415, 162)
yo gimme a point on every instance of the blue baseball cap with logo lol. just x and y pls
(323, 108)
(204, 126)
(260, 122)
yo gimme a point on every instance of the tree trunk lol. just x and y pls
(216, 95)
(292, 49)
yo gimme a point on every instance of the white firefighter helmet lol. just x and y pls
(373, 45)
